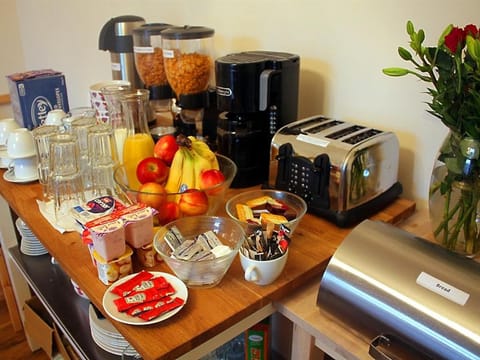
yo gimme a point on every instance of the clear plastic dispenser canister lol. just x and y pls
(147, 41)
(188, 60)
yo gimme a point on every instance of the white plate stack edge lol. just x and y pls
(29, 244)
(107, 337)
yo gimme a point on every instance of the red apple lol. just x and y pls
(152, 169)
(193, 202)
(210, 178)
(167, 212)
(152, 194)
(165, 148)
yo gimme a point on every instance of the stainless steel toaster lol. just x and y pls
(345, 172)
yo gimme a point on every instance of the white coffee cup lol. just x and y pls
(20, 143)
(55, 117)
(24, 168)
(6, 126)
(263, 272)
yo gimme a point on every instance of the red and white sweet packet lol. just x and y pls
(146, 296)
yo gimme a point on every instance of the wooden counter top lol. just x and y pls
(208, 312)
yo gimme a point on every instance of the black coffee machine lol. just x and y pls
(257, 93)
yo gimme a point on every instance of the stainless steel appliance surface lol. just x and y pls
(345, 172)
(400, 288)
(116, 37)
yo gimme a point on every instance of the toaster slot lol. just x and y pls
(301, 126)
(344, 132)
(362, 136)
(321, 127)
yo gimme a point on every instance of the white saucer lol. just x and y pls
(10, 176)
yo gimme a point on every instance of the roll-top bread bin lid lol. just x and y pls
(389, 282)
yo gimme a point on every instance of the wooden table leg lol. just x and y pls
(9, 296)
(302, 343)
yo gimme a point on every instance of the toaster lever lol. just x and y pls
(321, 182)
(284, 158)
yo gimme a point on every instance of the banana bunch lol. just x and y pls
(192, 158)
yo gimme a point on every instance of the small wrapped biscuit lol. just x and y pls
(147, 256)
(244, 212)
(273, 218)
(260, 201)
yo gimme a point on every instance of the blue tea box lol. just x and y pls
(34, 93)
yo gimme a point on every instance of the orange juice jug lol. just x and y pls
(139, 143)
(136, 148)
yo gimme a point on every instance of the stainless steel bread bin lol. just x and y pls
(391, 284)
(345, 172)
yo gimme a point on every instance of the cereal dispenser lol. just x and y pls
(147, 48)
(188, 61)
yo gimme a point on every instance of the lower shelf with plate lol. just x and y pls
(69, 311)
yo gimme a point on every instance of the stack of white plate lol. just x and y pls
(107, 337)
(29, 245)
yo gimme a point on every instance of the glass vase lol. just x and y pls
(454, 195)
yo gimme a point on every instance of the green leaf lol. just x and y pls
(410, 28)
(420, 37)
(441, 39)
(395, 71)
(473, 47)
(404, 53)
(453, 165)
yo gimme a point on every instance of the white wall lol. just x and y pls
(11, 57)
(343, 46)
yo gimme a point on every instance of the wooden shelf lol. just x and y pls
(69, 311)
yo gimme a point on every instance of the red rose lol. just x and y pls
(455, 39)
(471, 30)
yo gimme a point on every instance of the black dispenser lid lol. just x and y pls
(151, 29)
(110, 41)
(187, 32)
